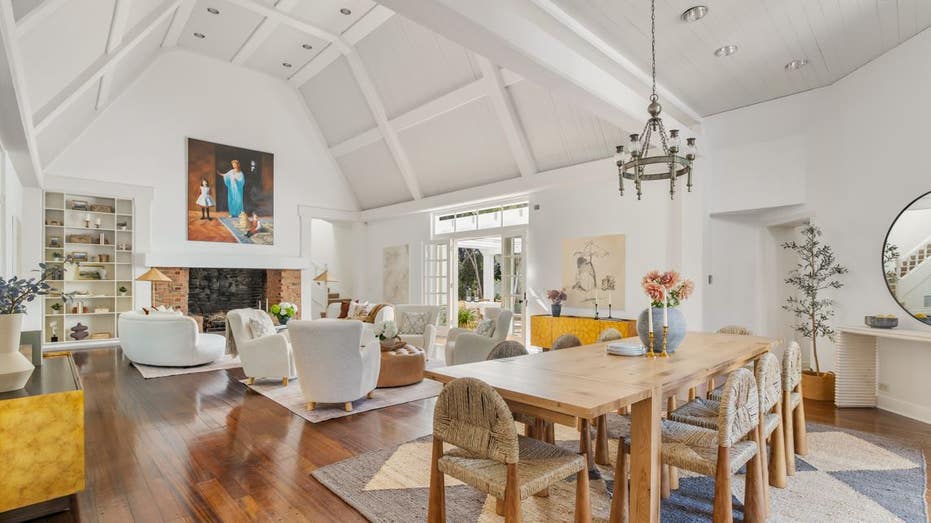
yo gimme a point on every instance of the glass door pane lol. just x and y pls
(513, 280)
(436, 278)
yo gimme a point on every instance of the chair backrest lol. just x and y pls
(157, 338)
(471, 415)
(740, 408)
(502, 325)
(239, 322)
(791, 367)
(507, 349)
(567, 341)
(769, 382)
(735, 329)
(327, 348)
(609, 334)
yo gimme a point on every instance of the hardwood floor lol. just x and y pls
(200, 447)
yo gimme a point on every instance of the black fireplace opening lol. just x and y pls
(213, 292)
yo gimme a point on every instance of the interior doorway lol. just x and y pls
(489, 272)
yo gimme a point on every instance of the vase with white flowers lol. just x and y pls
(15, 294)
(284, 311)
(387, 333)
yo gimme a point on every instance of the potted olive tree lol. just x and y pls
(816, 271)
(15, 294)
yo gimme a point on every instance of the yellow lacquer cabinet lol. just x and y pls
(544, 329)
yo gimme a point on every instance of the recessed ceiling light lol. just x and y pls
(795, 65)
(200, 35)
(286, 65)
(345, 11)
(726, 50)
(694, 14)
(213, 10)
(307, 46)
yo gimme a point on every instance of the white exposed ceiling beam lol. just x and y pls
(73, 91)
(513, 132)
(437, 107)
(520, 36)
(266, 28)
(364, 26)
(33, 18)
(283, 17)
(16, 130)
(117, 29)
(381, 118)
(178, 21)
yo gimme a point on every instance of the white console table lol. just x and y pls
(857, 361)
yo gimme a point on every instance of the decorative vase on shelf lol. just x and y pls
(676, 332)
(283, 319)
(15, 368)
(556, 309)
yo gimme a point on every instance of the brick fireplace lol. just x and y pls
(280, 285)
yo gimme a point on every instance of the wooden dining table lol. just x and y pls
(575, 386)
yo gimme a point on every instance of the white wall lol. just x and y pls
(411, 230)
(856, 177)
(141, 139)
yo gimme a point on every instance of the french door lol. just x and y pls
(437, 275)
(513, 280)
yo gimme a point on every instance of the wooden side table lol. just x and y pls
(42, 441)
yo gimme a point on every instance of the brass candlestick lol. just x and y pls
(650, 353)
(665, 354)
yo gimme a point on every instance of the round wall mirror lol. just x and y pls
(907, 258)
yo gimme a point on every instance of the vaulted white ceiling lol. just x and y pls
(409, 113)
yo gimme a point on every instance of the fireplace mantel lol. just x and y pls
(224, 260)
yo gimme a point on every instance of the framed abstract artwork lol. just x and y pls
(230, 194)
(396, 274)
(594, 267)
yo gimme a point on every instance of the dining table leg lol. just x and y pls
(646, 439)
(601, 442)
(585, 442)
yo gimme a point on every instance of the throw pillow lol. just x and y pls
(413, 322)
(343, 310)
(485, 328)
(357, 310)
(260, 328)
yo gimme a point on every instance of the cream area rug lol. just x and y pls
(292, 398)
(225, 362)
(847, 476)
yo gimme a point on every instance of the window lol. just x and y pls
(482, 218)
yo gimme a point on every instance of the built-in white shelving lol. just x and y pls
(98, 232)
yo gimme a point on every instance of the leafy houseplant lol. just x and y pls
(284, 311)
(15, 294)
(465, 317)
(556, 298)
(816, 271)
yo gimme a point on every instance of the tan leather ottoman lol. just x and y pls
(403, 366)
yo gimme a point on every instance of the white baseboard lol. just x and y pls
(905, 408)
(81, 345)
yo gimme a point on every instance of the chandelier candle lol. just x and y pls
(634, 162)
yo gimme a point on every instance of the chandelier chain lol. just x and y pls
(653, 97)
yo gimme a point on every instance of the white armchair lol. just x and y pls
(425, 339)
(465, 346)
(337, 360)
(262, 357)
(167, 339)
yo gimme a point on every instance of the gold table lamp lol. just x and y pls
(153, 275)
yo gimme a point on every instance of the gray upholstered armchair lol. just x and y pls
(465, 346)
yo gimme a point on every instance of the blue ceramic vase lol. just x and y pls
(676, 329)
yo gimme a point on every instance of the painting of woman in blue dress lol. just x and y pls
(239, 184)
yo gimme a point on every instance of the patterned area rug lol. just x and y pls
(291, 398)
(847, 476)
(151, 371)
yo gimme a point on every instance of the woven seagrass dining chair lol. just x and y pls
(609, 334)
(489, 455)
(511, 349)
(717, 453)
(715, 393)
(567, 341)
(793, 408)
(768, 375)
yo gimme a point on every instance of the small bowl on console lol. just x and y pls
(881, 322)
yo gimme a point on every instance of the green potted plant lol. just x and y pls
(816, 271)
(284, 311)
(15, 294)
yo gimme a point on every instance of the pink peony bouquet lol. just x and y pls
(556, 297)
(658, 285)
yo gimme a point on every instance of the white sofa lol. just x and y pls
(465, 346)
(385, 313)
(337, 360)
(264, 357)
(167, 339)
(426, 339)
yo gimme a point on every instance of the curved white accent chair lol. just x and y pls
(167, 339)
(426, 339)
(337, 360)
(263, 357)
(465, 346)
